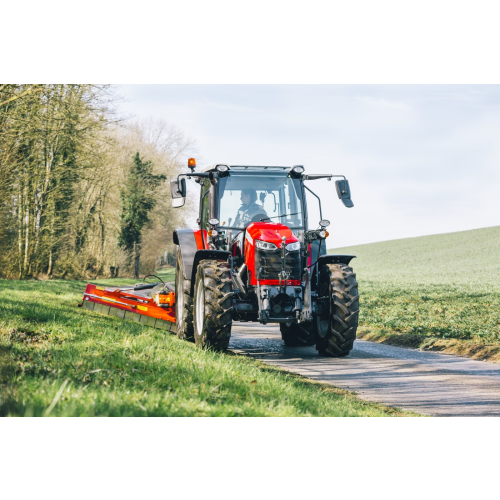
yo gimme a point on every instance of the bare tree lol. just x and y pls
(64, 158)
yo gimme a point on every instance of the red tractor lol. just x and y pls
(254, 258)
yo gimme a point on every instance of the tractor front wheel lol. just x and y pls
(183, 303)
(337, 322)
(213, 305)
(297, 334)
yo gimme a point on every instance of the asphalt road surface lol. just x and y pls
(424, 382)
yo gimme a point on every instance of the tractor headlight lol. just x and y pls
(292, 247)
(264, 245)
(213, 222)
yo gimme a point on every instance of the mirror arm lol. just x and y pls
(191, 174)
(319, 201)
(313, 177)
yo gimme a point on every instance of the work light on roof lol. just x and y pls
(223, 170)
(297, 170)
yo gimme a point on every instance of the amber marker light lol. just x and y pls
(191, 162)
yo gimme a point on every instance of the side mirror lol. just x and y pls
(178, 193)
(344, 193)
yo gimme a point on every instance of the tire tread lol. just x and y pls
(187, 330)
(345, 311)
(297, 334)
(218, 305)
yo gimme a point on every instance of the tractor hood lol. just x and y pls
(270, 232)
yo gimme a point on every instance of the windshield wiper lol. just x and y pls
(276, 216)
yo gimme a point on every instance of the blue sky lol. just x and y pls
(421, 159)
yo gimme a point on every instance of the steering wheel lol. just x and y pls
(256, 218)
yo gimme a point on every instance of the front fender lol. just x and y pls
(331, 259)
(335, 259)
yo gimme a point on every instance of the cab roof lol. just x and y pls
(249, 168)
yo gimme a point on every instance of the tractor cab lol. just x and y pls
(260, 195)
(248, 195)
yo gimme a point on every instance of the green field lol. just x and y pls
(60, 360)
(431, 291)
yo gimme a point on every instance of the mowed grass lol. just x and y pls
(60, 360)
(418, 291)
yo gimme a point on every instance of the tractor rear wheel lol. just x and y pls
(213, 305)
(183, 303)
(336, 325)
(297, 334)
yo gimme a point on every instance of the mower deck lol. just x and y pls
(131, 303)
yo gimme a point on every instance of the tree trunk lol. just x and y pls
(49, 270)
(137, 257)
(26, 241)
(20, 232)
(51, 242)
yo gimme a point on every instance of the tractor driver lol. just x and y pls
(250, 210)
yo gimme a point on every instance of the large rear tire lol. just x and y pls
(183, 303)
(213, 305)
(298, 334)
(337, 324)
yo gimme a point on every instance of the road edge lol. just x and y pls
(464, 348)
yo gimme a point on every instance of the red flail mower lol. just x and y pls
(149, 304)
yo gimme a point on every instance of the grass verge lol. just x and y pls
(59, 360)
(471, 349)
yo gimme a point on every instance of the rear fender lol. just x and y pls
(190, 242)
(206, 255)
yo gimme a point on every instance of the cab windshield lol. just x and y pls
(249, 197)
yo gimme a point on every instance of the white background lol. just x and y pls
(253, 42)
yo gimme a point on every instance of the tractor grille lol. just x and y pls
(271, 264)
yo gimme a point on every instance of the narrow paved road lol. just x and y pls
(424, 382)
